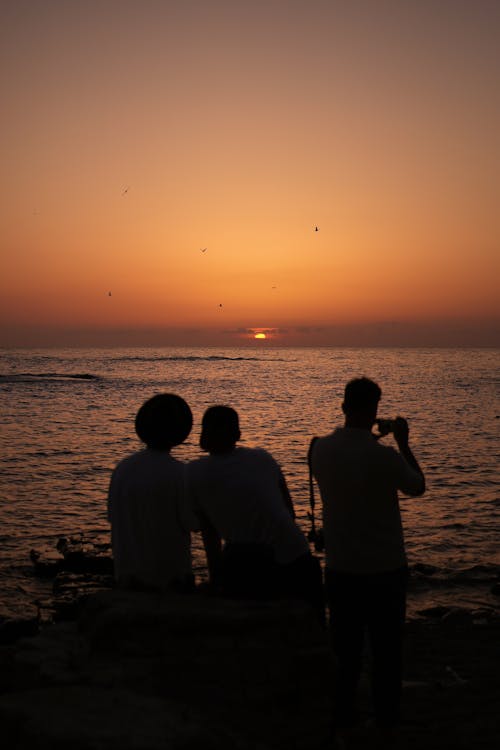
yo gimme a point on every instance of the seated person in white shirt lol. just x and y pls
(147, 506)
(241, 498)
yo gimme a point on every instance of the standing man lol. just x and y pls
(366, 566)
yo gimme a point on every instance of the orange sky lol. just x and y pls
(239, 127)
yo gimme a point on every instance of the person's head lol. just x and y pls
(361, 398)
(220, 429)
(163, 421)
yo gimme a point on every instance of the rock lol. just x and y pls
(45, 567)
(200, 648)
(458, 616)
(454, 615)
(438, 611)
(79, 568)
(70, 589)
(495, 589)
(57, 656)
(76, 555)
(475, 574)
(12, 629)
(82, 562)
(482, 616)
(89, 718)
(194, 613)
(424, 569)
(229, 661)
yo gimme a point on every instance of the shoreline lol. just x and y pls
(59, 575)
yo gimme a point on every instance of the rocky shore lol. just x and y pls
(141, 670)
(102, 669)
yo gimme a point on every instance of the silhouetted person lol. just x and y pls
(241, 498)
(147, 505)
(366, 566)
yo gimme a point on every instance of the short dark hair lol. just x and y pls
(361, 393)
(220, 428)
(163, 421)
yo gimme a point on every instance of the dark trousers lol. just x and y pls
(302, 579)
(249, 571)
(373, 606)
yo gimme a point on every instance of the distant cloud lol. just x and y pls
(309, 329)
(245, 331)
(389, 333)
(257, 329)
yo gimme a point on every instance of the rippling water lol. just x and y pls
(67, 418)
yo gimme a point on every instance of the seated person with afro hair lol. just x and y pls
(147, 508)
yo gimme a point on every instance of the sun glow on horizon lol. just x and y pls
(260, 336)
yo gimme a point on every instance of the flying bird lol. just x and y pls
(203, 249)
(124, 192)
(316, 229)
(109, 294)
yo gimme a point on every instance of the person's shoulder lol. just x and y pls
(254, 451)
(337, 433)
(199, 461)
(131, 460)
(247, 451)
(129, 466)
(257, 454)
(197, 465)
(321, 440)
(254, 458)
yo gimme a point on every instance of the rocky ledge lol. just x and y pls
(104, 669)
(146, 671)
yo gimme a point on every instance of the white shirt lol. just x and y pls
(149, 520)
(359, 479)
(240, 494)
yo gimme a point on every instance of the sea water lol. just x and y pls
(67, 418)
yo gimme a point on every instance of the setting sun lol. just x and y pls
(260, 336)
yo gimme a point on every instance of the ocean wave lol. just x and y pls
(196, 358)
(465, 576)
(28, 377)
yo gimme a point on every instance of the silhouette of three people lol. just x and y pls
(238, 498)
